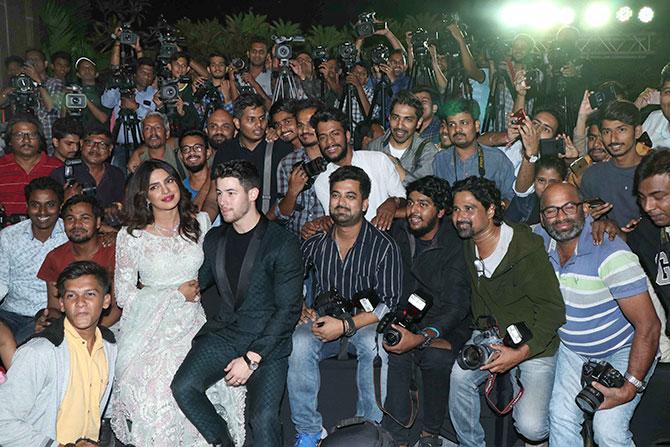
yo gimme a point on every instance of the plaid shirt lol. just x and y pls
(356, 111)
(56, 89)
(201, 107)
(307, 205)
(432, 132)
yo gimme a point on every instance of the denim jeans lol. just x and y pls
(610, 427)
(531, 412)
(304, 378)
(21, 326)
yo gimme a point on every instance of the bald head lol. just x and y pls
(560, 191)
(220, 128)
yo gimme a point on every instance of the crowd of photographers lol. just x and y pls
(472, 215)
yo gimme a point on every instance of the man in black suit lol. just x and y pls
(256, 267)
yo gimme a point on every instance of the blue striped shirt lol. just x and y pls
(592, 281)
(372, 262)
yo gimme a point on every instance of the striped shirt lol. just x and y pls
(592, 281)
(13, 179)
(372, 262)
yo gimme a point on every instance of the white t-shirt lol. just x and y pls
(384, 180)
(397, 153)
(658, 129)
(489, 265)
(515, 154)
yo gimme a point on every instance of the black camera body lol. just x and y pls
(367, 25)
(23, 84)
(69, 176)
(319, 55)
(75, 100)
(239, 64)
(601, 97)
(127, 36)
(589, 398)
(380, 54)
(333, 304)
(478, 353)
(123, 78)
(348, 54)
(416, 309)
(312, 169)
(24, 98)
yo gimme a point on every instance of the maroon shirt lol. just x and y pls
(13, 179)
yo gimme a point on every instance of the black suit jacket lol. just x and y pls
(263, 314)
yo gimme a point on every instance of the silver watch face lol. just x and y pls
(253, 366)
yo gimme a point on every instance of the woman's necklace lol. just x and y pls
(166, 231)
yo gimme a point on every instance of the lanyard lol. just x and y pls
(480, 162)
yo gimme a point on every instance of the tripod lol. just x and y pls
(458, 84)
(132, 136)
(285, 88)
(381, 98)
(422, 73)
(347, 99)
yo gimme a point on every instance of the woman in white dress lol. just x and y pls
(158, 255)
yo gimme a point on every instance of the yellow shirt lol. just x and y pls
(79, 412)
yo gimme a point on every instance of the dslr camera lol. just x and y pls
(312, 168)
(69, 176)
(333, 304)
(367, 25)
(589, 398)
(380, 54)
(283, 50)
(348, 53)
(319, 55)
(239, 64)
(24, 98)
(75, 100)
(416, 309)
(478, 353)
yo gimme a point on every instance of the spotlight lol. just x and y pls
(566, 16)
(597, 15)
(544, 15)
(513, 14)
(624, 14)
(646, 14)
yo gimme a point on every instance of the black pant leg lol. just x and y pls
(203, 366)
(265, 390)
(398, 401)
(435, 365)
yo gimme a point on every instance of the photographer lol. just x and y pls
(511, 72)
(298, 202)
(441, 81)
(657, 124)
(47, 111)
(513, 284)
(95, 112)
(372, 267)
(257, 76)
(434, 266)
(411, 155)
(176, 97)
(610, 318)
(93, 174)
(138, 103)
(67, 133)
(359, 78)
(430, 123)
(313, 81)
(224, 92)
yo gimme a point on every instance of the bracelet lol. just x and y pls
(437, 333)
(351, 326)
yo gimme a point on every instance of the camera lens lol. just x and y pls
(589, 399)
(283, 52)
(471, 357)
(392, 337)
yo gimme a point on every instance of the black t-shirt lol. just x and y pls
(236, 247)
(233, 150)
(421, 246)
(652, 245)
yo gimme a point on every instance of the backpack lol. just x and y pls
(358, 432)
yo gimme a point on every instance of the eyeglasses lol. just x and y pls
(97, 144)
(195, 148)
(569, 209)
(22, 135)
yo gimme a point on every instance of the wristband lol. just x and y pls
(351, 326)
(437, 333)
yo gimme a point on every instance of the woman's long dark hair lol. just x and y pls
(137, 215)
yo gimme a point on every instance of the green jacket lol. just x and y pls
(523, 288)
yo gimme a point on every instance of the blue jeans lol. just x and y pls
(531, 412)
(304, 379)
(21, 326)
(610, 427)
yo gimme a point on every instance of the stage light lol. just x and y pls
(566, 16)
(624, 14)
(646, 14)
(513, 14)
(541, 15)
(597, 15)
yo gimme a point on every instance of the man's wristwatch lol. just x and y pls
(250, 363)
(638, 384)
(532, 159)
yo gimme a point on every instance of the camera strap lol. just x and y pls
(490, 383)
(413, 390)
(480, 163)
(267, 177)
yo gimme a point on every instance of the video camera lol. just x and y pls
(478, 353)
(127, 36)
(75, 100)
(123, 78)
(69, 176)
(367, 25)
(319, 55)
(283, 50)
(348, 54)
(416, 309)
(449, 45)
(25, 96)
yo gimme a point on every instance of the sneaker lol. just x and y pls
(430, 441)
(307, 439)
